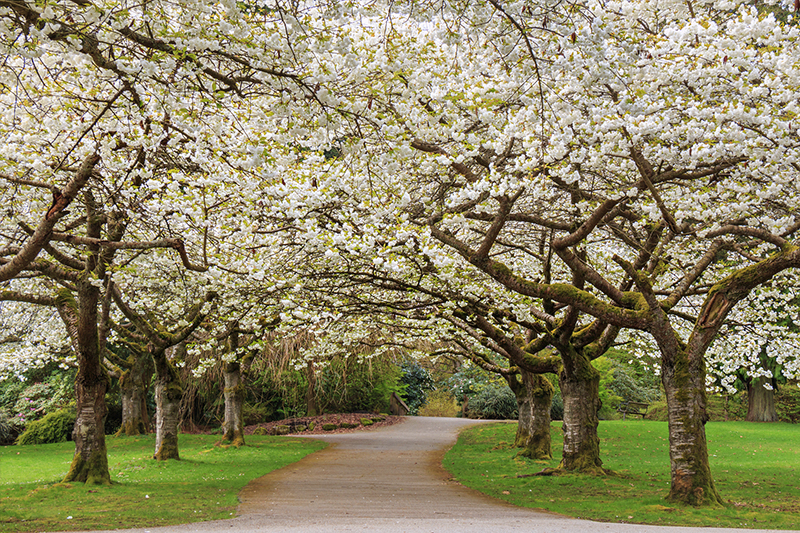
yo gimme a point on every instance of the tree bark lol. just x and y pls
(134, 383)
(233, 425)
(685, 388)
(169, 390)
(312, 409)
(760, 401)
(90, 462)
(580, 389)
(534, 396)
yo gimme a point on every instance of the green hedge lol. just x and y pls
(54, 427)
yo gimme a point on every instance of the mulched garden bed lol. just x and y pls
(338, 419)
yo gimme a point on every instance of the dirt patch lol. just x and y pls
(353, 419)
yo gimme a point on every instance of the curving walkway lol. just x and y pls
(389, 480)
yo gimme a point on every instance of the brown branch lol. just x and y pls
(36, 299)
(758, 233)
(587, 227)
(41, 236)
(564, 293)
(431, 148)
(692, 276)
(175, 244)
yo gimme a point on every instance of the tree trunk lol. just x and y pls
(233, 426)
(534, 396)
(90, 462)
(760, 401)
(168, 400)
(685, 388)
(134, 383)
(580, 389)
(312, 409)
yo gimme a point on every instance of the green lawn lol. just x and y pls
(201, 486)
(755, 467)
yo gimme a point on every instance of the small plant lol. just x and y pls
(55, 427)
(366, 422)
(329, 427)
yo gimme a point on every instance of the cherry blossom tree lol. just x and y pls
(654, 143)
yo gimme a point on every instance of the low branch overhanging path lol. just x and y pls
(389, 480)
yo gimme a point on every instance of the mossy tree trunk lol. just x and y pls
(534, 396)
(168, 389)
(760, 400)
(312, 409)
(168, 384)
(233, 425)
(685, 390)
(683, 374)
(134, 384)
(580, 389)
(90, 462)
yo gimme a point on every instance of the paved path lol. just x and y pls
(389, 480)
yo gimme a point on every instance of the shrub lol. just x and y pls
(348, 385)
(256, 414)
(418, 382)
(7, 430)
(787, 402)
(41, 391)
(495, 403)
(439, 403)
(55, 427)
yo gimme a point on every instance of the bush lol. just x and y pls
(494, 403)
(41, 391)
(787, 402)
(439, 403)
(347, 385)
(7, 430)
(418, 382)
(55, 427)
(256, 414)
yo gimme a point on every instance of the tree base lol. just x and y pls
(536, 453)
(597, 471)
(685, 492)
(132, 429)
(168, 449)
(93, 471)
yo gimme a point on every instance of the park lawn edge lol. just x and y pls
(203, 485)
(754, 466)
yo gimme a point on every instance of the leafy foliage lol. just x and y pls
(418, 382)
(54, 427)
(494, 403)
(439, 403)
(41, 391)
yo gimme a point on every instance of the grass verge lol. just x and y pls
(755, 467)
(203, 485)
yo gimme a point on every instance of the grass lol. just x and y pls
(755, 467)
(203, 485)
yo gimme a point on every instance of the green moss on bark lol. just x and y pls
(92, 471)
(168, 449)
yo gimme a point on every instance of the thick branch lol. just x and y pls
(41, 236)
